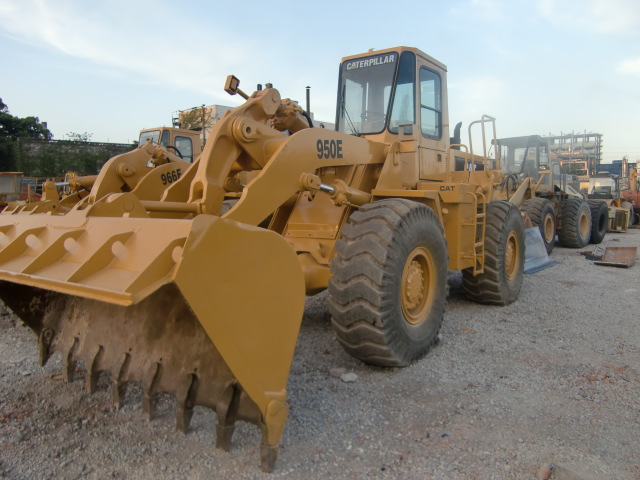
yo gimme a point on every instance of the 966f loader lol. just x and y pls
(191, 278)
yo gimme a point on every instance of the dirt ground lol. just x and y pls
(547, 387)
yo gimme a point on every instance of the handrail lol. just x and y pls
(486, 119)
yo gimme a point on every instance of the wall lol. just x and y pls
(41, 158)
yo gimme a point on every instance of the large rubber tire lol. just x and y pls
(576, 223)
(542, 215)
(503, 258)
(389, 285)
(599, 220)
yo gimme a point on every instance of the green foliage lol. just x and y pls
(79, 137)
(11, 129)
(196, 118)
(8, 154)
(41, 158)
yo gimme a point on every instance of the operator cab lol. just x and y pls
(183, 143)
(380, 92)
(524, 155)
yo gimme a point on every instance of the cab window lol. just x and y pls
(166, 138)
(185, 147)
(430, 104)
(152, 135)
(364, 93)
(404, 105)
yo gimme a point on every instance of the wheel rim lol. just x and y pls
(511, 254)
(417, 294)
(583, 224)
(548, 229)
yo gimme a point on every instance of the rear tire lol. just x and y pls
(541, 213)
(503, 258)
(389, 285)
(576, 223)
(599, 220)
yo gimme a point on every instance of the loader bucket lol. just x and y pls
(207, 309)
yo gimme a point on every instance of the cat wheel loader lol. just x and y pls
(191, 278)
(536, 183)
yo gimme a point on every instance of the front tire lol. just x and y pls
(389, 285)
(541, 213)
(599, 220)
(503, 258)
(576, 223)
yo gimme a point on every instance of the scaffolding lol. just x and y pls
(579, 153)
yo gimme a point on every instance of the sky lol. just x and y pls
(114, 67)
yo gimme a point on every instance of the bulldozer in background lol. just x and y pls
(145, 278)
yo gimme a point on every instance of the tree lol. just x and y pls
(79, 137)
(11, 129)
(198, 118)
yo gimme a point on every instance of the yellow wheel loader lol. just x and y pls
(191, 278)
(536, 183)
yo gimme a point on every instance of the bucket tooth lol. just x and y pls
(119, 382)
(224, 434)
(93, 370)
(150, 387)
(226, 410)
(268, 457)
(186, 396)
(272, 428)
(69, 360)
(44, 342)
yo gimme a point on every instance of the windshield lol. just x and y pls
(153, 135)
(365, 90)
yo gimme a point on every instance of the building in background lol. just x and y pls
(580, 153)
(197, 117)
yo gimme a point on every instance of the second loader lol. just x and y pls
(550, 197)
(146, 276)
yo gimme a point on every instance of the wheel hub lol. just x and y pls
(583, 224)
(511, 256)
(548, 228)
(416, 292)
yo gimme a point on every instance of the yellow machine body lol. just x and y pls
(191, 277)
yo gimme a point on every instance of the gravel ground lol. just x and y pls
(545, 387)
